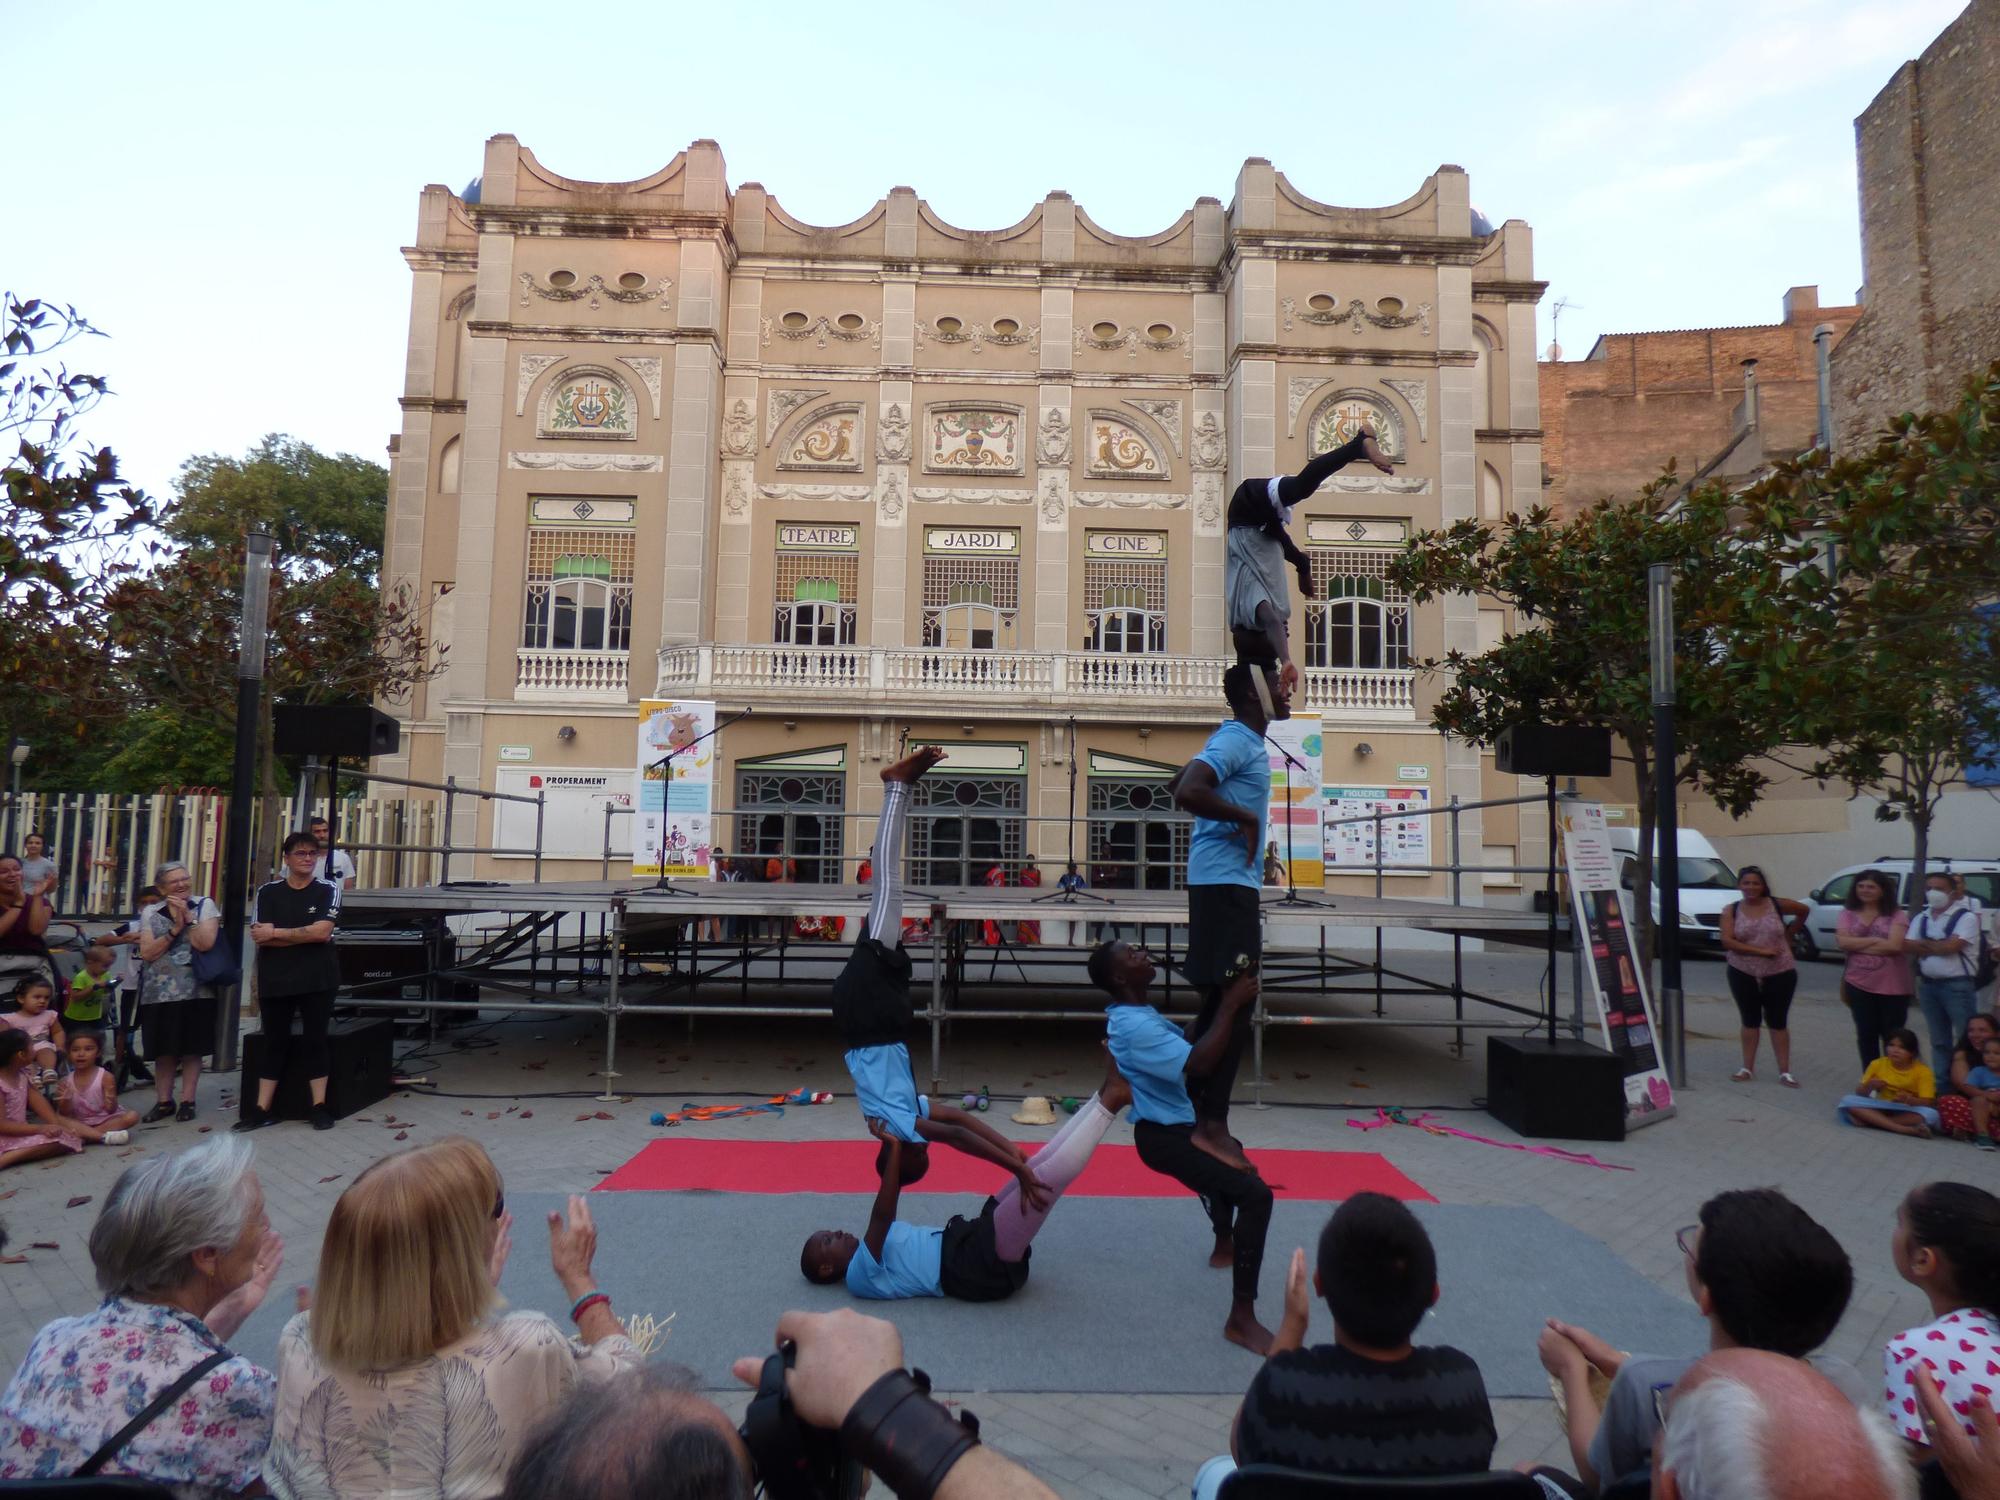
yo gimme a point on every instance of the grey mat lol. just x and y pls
(1120, 1300)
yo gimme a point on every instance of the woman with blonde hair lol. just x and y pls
(405, 1379)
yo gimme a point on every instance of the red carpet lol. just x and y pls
(687, 1164)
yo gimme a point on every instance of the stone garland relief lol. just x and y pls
(588, 461)
(1118, 451)
(594, 288)
(892, 434)
(973, 440)
(828, 439)
(779, 405)
(793, 493)
(935, 493)
(1132, 340)
(977, 336)
(1356, 316)
(820, 329)
(1052, 442)
(588, 403)
(1126, 500)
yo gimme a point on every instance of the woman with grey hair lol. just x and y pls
(184, 1253)
(178, 1013)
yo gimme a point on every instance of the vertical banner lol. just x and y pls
(1617, 976)
(674, 815)
(1299, 816)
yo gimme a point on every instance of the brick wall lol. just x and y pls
(1929, 157)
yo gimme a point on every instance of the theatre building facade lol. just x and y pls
(897, 480)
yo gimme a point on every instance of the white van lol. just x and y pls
(1707, 882)
(1982, 883)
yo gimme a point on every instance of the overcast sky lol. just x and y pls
(224, 188)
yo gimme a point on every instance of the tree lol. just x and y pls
(1578, 587)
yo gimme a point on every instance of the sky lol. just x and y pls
(224, 189)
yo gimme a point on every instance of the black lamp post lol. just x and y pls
(1667, 862)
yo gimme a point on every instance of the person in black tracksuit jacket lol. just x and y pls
(297, 975)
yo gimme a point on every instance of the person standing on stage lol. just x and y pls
(297, 975)
(871, 1006)
(1227, 787)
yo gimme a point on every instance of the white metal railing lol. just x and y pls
(571, 674)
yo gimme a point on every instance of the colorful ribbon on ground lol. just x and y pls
(1426, 1122)
(701, 1114)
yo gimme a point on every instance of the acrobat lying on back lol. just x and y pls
(1259, 603)
(871, 1006)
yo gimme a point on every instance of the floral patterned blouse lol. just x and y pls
(446, 1428)
(86, 1377)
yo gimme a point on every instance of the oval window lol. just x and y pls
(1159, 333)
(1320, 302)
(948, 325)
(795, 320)
(631, 281)
(1104, 330)
(562, 278)
(1006, 327)
(1390, 307)
(850, 321)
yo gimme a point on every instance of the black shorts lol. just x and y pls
(970, 1267)
(871, 995)
(1224, 928)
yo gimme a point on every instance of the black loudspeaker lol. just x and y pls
(363, 1058)
(1553, 750)
(1570, 1090)
(328, 731)
(387, 965)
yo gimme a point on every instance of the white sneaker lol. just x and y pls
(117, 1137)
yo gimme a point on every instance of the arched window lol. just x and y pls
(1492, 494)
(1358, 620)
(448, 468)
(1482, 379)
(816, 599)
(579, 595)
(1126, 623)
(969, 620)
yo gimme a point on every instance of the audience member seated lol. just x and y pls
(1956, 1090)
(1896, 1093)
(1947, 1246)
(183, 1254)
(30, 1128)
(1748, 1424)
(650, 1436)
(1369, 1404)
(1765, 1275)
(402, 1343)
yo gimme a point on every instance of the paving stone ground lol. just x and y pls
(1106, 1446)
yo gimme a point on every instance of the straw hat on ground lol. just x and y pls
(1035, 1110)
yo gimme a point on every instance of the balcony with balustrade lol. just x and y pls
(559, 676)
(934, 681)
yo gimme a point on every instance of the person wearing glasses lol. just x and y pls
(1765, 1275)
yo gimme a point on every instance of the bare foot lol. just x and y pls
(1114, 1093)
(913, 765)
(1213, 1138)
(1243, 1328)
(1372, 451)
(1223, 1256)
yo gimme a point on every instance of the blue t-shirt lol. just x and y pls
(1151, 1052)
(1982, 1077)
(887, 1090)
(910, 1265)
(1242, 766)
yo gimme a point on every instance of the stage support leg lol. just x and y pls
(940, 947)
(616, 961)
(1259, 1017)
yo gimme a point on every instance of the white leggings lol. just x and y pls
(1056, 1166)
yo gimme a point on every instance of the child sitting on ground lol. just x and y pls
(1897, 1092)
(23, 1139)
(87, 1097)
(34, 998)
(1986, 1079)
(91, 988)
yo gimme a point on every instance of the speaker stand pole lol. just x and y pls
(1552, 909)
(1066, 896)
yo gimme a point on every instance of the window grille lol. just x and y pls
(579, 590)
(1358, 618)
(1125, 604)
(816, 599)
(1138, 839)
(971, 602)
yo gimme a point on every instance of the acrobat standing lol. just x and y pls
(871, 1006)
(1258, 550)
(982, 1259)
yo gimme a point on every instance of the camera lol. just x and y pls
(792, 1459)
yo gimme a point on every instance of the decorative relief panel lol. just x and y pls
(973, 440)
(737, 477)
(891, 498)
(976, 336)
(1208, 504)
(1132, 341)
(1372, 483)
(1128, 500)
(588, 461)
(1165, 412)
(587, 402)
(848, 328)
(1356, 315)
(829, 438)
(779, 405)
(739, 430)
(594, 288)
(1340, 416)
(1211, 446)
(892, 434)
(792, 493)
(973, 497)
(1052, 501)
(647, 368)
(532, 366)
(1052, 442)
(1418, 394)
(1117, 450)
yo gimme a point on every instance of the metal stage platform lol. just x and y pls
(612, 949)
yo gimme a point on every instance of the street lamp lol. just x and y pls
(19, 756)
(1667, 862)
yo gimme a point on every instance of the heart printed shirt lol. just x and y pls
(1962, 1352)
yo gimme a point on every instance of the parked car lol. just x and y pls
(1707, 883)
(1982, 883)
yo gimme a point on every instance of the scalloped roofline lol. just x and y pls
(793, 222)
(958, 232)
(1171, 232)
(1427, 189)
(533, 164)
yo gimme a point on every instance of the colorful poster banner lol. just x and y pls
(1617, 976)
(1406, 831)
(675, 816)
(1292, 829)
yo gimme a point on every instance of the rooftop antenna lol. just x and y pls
(1555, 326)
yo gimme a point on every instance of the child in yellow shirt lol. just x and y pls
(1896, 1093)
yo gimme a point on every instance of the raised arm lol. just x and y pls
(1211, 1044)
(883, 1214)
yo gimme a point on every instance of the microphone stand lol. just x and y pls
(1292, 896)
(663, 886)
(1065, 896)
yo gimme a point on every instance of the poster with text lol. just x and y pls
(586, 811)
(1617, 978)
(1406, 831)
(1291, 832)
(675, 790)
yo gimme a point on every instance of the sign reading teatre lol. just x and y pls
(1130, 546)
(976, 541)
(803, 538)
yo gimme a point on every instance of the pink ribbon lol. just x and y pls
(1425, 1123)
